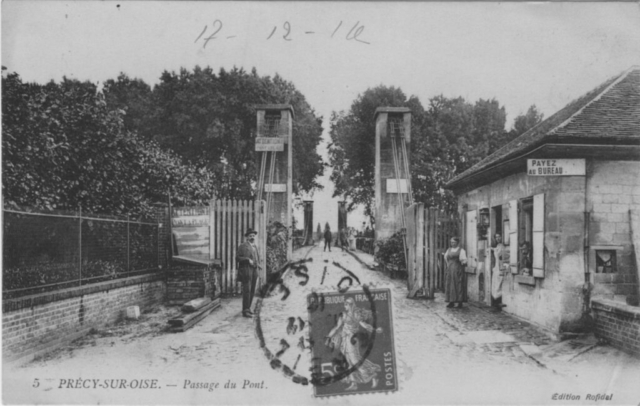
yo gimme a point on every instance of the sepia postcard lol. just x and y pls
(317, 202)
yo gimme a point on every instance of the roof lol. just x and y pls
(272, 107)
(391, 110)
(610, 113)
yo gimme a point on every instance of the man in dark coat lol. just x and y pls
(327, 238)
(248, 260)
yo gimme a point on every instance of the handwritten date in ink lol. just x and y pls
(286, 32)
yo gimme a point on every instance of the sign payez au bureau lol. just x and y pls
(556, 167)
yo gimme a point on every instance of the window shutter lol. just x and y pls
(538, 236)
(513, 236)
(471, 230)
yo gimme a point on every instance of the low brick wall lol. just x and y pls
(33, 325)
(618, 324)
(184, 285)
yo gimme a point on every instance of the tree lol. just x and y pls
(524, 122)
(133, 96)
(447, 138)
(352, 147)
(209, 120)
(64, 149)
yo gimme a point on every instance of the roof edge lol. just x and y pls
(618, 78)
(391, 110)
(594, 99)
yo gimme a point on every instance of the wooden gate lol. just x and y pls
(206, 233)
(428, 235)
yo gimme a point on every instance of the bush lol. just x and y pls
(277, 237)
(391, 251)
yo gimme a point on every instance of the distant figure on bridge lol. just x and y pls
(352, 239)
(343, 236)
(368, 233)
(327, 237)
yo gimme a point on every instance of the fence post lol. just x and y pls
(212, 234)
(433, 246)
(80, 246)
(128, 245)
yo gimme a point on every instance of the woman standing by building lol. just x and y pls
(455, 288)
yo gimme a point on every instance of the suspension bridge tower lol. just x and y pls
(274, 148)
(308, 222)
(392, 176)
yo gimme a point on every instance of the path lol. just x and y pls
(445, 356)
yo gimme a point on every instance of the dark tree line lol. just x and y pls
(447, 137)
(209, 120)
(67, 145)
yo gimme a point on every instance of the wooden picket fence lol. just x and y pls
(215, 232)
(428, 235)
(231, 218)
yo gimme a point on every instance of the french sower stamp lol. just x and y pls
(351, 335)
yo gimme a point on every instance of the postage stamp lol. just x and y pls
(351, 336)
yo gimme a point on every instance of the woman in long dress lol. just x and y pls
(455, 288)
(342, 337)
(497, 271)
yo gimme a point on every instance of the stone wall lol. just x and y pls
(555, 302)
(614, 189)
(33, 325)
(618, 324)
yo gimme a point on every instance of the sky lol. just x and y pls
(546, 54)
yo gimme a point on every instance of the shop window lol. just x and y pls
(526, 239)
(483, 225)
(606, 261)
(471, 237)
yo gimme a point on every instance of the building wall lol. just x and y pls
(556, 301)
(33, 325)
(614, 189)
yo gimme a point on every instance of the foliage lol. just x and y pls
(447, 138)
(352, 150)
(209, 120)
(44, 250)
(277, 237)
(63, 148)
(133, 97)
(391, 251)
(528, 120)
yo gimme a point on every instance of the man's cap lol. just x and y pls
(250, 231)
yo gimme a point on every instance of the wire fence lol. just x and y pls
(47, 251)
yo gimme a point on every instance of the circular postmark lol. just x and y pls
(277, 288)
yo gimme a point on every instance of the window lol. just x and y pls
(604, 258)
(526, 239)
(606, 261)
(483, 225)
(471, 238)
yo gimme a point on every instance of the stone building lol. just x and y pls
(566, 189)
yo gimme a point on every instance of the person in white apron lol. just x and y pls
(497, 271)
